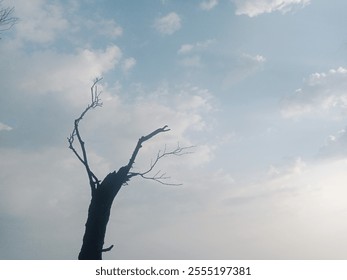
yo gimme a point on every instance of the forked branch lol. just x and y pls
(123, 172)
(142, 140)
(95, 102)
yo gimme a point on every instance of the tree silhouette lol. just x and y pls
(7, 20)
(103, 192)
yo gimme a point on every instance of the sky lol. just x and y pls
(258, 87)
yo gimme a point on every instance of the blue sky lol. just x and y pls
(258, 86)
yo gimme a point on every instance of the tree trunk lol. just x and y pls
(98, 216)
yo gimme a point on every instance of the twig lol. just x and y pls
(159, 176)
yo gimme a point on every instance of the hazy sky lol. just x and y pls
(258, 86)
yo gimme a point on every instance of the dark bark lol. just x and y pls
(103, 195)
(98, 216)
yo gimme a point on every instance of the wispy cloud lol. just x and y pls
(208, 4)
(5, 127)
(66, 73)
(186, 48)
(254, 8)
(191, 53)
(335, 145)
(256, 58)
(40, 22)
(191, 61)
(194, 47)
(245, 66)
(323, 92)
(128, 64)
(108, 28)
(168, 24)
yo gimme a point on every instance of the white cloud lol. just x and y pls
(168, 24)
(246, 66)
(253, 8)
(190, 53)
(192, 61)
(186, 110)
(290, 216)
(293, 210)
(321, 93)
(68, 74)
(40, 22)
(44, 188)
(110, 28)
(45, 24)
(335, 146)
(96, 27)
(294, 168)
(5, 127)
(196, 47)
(208, 4)
(186, 48)
(256, 58)
(128, 64)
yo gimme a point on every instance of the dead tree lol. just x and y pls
(103, 192)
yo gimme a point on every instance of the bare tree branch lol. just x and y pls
(159, 176)
(143, 139)
(96, 102)
(7, 20)
(124, 171)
